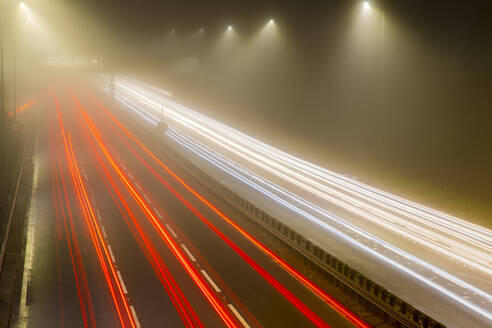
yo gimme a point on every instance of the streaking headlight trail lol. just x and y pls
(457, 243)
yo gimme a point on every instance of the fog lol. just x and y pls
(404, 105)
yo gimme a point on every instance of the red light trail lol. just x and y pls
(220, 308)
(27, 105)
(186, 312)
(301, 278)
(112, 280)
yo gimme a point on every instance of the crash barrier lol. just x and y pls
(366, 291)
(373, 296)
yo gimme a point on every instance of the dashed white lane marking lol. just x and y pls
(122, 282)
(123, 166)
(130, 175)
(138, 186)
(238, 315)
(135, 318)
(188, 252)
(85, 176)
(171, 231)
(98, 215)
(146, 198)
(210, 281)
(158, 213)
(111, 253)
(104, 232)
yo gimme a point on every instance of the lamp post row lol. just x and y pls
(366, 5)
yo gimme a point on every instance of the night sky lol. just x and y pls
(318, 95)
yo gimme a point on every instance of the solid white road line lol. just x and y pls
(33, 214)
(238, 315)
(211, 282)
(188, 252)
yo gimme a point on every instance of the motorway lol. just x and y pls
(118, 238)
(439, 263)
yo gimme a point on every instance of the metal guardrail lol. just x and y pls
(394, 308)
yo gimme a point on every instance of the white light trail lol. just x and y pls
(475, 253)
(465, 243)
(248, 178)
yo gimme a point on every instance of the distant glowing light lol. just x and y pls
(271, 21)
(26, 12)
(229, 28)
(366, 5)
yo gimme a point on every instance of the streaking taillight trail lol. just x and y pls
(306, 282)
(464, 243)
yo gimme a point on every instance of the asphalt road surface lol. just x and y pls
(438, 263)
(117, 238)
